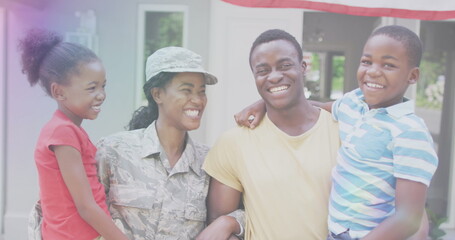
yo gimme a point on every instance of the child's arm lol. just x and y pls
(324, 105)
(258, 110)
(73, 172)
(409, 207)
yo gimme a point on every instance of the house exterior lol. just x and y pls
(222, 33)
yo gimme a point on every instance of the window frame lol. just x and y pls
(143, 9)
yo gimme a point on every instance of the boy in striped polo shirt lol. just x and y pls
(386, 159)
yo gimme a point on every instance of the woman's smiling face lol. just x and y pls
(182, 101)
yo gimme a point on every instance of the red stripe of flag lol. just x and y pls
(345, 9)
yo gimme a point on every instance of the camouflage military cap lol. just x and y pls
(176, 59)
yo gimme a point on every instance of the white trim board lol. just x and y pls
(3, 37)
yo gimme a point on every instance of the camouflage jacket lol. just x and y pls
(146, 197)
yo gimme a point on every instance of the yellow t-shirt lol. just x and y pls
(285, 179)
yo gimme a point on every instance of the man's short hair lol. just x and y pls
(273, 35)
(408, 38)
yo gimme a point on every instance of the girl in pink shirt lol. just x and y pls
(72, 198)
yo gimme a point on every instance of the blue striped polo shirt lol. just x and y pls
(377, 146)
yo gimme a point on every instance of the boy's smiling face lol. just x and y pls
(385, 72)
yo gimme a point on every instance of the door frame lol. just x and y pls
(232, 32)
(3, 41)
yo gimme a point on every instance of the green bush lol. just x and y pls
(436, 233)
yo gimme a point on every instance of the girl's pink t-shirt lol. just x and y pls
(60, 217)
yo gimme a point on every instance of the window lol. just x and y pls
(337, 84)
(324, 75)
(159, 26)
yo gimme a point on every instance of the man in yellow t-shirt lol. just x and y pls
(283, 166)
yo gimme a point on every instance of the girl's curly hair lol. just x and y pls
(47, 59)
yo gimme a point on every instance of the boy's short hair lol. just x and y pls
(276, 34)
(408, 38)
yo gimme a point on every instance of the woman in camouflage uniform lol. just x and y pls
(152, 173)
